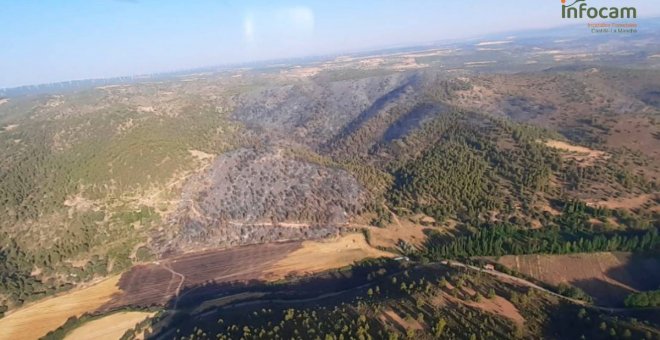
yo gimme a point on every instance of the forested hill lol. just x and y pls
(488, 161)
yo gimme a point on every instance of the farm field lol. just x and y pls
(156, 283)
(315, 256)
(110, 327)
(36, 320)
(607, 277)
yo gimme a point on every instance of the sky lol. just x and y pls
(44, 41)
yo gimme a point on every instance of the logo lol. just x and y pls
(580, 9)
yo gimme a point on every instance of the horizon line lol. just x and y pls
(239, 64)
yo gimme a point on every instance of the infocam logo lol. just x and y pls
(580, 9)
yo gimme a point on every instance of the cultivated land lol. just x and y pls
(608, 277)
(37, 319)
(110, 327)
(242, 189)
(315, 257)
(157, 283)
(160, 282)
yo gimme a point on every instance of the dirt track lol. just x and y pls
(608, 277)
(523, 282)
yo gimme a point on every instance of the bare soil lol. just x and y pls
(630, 202)
(391, 316)
(584, 156)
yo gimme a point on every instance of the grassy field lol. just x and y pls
(37, 319)
(111, 327)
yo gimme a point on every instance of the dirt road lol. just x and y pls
(529, 284)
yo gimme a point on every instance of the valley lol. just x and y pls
(261, 202)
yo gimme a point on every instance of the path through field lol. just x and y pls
(529, 284)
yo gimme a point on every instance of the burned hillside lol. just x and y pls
(253, 196)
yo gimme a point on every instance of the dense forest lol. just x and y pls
(567, 233)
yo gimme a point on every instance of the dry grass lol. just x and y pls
(399, 229)
(36, 320)
(393, 317)
(301, 72)
(201, 155)
(499, 306)
(317, 256)
(10, 127)
(389, 236)
(111, 327)
(581, 154)
(608, 277)
(627, 203)
(557, 269)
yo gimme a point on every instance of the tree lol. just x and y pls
(439, 327)
(491, 293)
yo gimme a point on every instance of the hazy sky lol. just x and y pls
(48, 40)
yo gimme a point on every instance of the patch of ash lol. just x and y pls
(254, 196)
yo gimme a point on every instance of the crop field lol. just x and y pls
(36, 320)
(317, 256)
(607, 277)
(157, 283)
(111, 327)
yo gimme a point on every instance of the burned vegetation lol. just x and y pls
(255, 195)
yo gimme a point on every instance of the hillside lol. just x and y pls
(608, 277)
(221, 181)
(386, 301)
